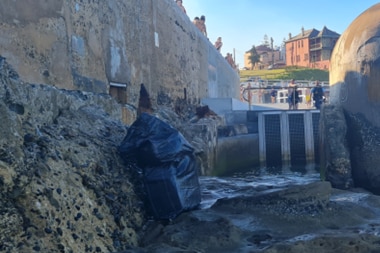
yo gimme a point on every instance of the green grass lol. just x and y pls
(287, 73)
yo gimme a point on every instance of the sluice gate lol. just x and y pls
(288, 138)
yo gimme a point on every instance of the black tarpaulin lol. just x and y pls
(168, 166)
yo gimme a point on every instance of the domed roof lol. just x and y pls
(355, 67)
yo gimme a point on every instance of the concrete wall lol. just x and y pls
(237, 154)
(222, 106)
(87, 45)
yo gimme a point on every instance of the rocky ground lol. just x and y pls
(65, 188)
(297, 218)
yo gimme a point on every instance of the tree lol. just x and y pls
(253, 57)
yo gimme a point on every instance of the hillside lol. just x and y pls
(286, 74)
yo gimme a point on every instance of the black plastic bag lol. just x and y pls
(169, 168)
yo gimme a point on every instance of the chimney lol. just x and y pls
(290, 35)
(303, 31)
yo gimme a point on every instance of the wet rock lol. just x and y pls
(329, 244)
(306, 218)
(59, 162)
(364, 141)
(334, 149)
(195, 232)
(295, 200)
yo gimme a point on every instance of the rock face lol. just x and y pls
(354, 80)
(335, 161)
(64, 187)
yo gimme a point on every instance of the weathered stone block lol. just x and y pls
(335, 155)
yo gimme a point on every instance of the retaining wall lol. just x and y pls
(88, 45)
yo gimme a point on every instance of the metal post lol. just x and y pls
(249, 96)
(285, 139)
(262, 143)
(309, 137)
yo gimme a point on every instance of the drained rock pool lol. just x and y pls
(271, 210)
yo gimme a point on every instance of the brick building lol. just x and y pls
(311, 48)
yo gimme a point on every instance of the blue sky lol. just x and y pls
(244, 23)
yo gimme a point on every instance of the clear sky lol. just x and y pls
(244, 23)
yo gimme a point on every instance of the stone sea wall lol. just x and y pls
(88, 45)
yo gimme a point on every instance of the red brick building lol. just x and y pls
(311, 48)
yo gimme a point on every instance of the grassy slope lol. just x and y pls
(287, 73)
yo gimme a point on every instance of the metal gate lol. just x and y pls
(288, 138)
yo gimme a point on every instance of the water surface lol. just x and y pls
(258, 179)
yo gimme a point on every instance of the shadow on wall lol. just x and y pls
(357, 96)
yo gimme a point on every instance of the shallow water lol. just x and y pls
(353, 214)
(257, 179)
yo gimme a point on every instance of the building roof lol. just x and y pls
(305, 34)
(312, 33)
(328, 33)
(263, 48)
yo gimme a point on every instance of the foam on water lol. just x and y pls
(214, 188)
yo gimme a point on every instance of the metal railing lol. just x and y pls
(261, 93)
